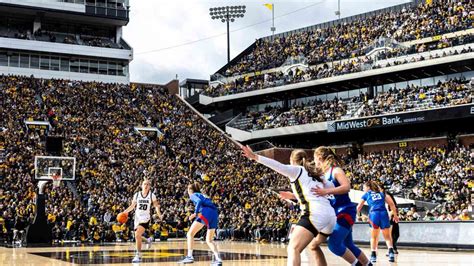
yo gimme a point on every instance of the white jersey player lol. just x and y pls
(317, 218)
(141, 202)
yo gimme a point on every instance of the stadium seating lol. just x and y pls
(97, 122)
(412, 98)
(356, 38)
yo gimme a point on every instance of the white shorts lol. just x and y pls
(324, 219)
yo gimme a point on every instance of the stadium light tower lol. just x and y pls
(227, 14)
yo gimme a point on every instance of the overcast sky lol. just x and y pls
(159, 30)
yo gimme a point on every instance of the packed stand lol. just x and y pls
(330, 69)
(355, 38)
(433, 174)
(396, 169)
(450, 182)
(448, 93)
(97, 122)
(305, 113)
(58, 33)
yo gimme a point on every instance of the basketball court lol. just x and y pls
(233, 253)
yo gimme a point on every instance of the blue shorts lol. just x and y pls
(209, 217)
(346, 217)
(379, 219)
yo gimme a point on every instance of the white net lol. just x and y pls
(56, 180)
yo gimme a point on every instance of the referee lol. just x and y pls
(394, 228)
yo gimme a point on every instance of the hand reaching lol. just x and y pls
(247, 152)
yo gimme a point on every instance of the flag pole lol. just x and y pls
(273, 20)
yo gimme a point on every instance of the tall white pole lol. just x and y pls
(273, 20)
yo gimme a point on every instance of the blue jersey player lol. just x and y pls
(206, 213)
(340, 242)
(378, 217)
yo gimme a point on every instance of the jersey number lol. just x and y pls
(142, 207)
(376, 197)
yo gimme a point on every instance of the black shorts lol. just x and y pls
(20, 225)
(144, 225)
(306, 223)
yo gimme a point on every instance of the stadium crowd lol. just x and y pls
(445, 93)
(97, 122)
(331, 69)
(356, 38)
(313, 111)
(21, 29)
(448, 93)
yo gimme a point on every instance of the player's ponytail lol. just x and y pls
(300, 158)
(329, 156)
(195, 187)
(372, 185)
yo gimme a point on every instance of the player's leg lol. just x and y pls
(374, 240)
(196, 226)
(210, 217)
(349, 242)
(395, 235)
(325, 224)
(303, 233)
(388, 240)
(139, 230)
(212, 245)
(336, 242)
(316, 251)
(300, 238)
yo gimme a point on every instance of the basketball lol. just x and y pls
(122, 217)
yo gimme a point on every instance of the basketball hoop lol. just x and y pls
(56, 180)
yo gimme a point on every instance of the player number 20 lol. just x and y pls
(142, 207)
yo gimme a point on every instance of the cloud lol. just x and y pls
(159, 24)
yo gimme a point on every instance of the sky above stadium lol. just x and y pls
(179, 37)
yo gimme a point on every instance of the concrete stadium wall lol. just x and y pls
(440, 234)
(283, 154)
(405, 144)
(466, 140)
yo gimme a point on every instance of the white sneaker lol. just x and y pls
(187, 259)
(215, 260)
(136, 259)
(216, 263)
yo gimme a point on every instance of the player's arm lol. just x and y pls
(360, 205)
(390, 203)
(197, 202)
(345, 185)
(132, 206)
(284, 195)
(290, 171)
(156, 204)
(362, 201)
(287, 195)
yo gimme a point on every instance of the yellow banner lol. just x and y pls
(269, 6)
(429, 2)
